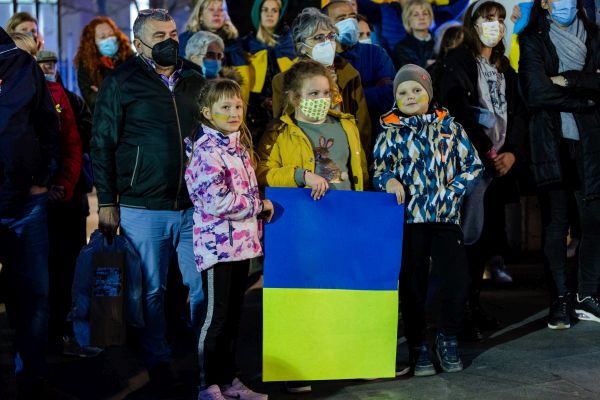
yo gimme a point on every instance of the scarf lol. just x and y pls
(571, 51)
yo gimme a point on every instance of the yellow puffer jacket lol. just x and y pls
(284, 147)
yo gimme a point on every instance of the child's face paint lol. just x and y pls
(226, 114)
(412, 98)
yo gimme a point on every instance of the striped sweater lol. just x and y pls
(432, 157)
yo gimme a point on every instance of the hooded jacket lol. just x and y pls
(28, 127)
(432, 157)
(223, 187)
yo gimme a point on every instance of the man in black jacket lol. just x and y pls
(144, 110)
(28, 154)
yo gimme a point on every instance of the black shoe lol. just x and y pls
(483, 320)
(560, 316)
(420, 362)
(446, 348)
(162, 377)
(588, 308)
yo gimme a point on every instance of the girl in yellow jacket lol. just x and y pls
(313, 146)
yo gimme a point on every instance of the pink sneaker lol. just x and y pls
(237, 390)
(211, 393)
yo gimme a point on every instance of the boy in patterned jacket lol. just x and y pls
(425, 158)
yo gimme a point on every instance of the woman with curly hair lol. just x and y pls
(102, 47)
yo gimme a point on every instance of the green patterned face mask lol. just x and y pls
(315, 109)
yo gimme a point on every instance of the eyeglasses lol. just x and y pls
(323, 38)
(211, 55)
(151, 11)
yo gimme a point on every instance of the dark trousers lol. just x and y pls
(493, 239)
(24, 256)
(443, 244)
(224, 286)
(555, 219)
(66, 235)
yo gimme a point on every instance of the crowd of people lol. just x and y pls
(180, 130)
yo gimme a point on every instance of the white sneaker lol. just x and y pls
(211, 393)
(500, 275)
(237, 390)
(297, 387)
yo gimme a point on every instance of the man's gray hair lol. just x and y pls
(200, 41)
(155, 14)
(307, 23)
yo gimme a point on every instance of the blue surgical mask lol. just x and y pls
(108, 47)
(50, 77)
(349, 33)
(211, 68)
(564, 11)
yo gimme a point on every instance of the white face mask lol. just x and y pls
(491, 33)
(323, 52)
(366, 41)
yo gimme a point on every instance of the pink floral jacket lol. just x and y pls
(223, 187)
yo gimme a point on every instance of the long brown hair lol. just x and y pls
(88, 55)
(215, 90)
(471, 38)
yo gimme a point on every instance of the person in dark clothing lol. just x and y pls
(447, 38)
(560, 57)
(28, 158)
(102, 47)
(417, 46)
(145, 110)
(480, 89)
(66, 219)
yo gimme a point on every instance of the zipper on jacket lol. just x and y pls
(135, 167)
(180, 148)
(230, 233)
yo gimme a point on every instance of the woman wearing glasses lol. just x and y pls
(314, 37)
(208, 51)
(480, 90)
(269, 51)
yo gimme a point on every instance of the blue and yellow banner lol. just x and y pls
(330, 298)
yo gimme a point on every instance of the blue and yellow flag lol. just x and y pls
(330, 299)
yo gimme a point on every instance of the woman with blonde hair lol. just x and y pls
(211, 16)
(25, 23)
(102, 48)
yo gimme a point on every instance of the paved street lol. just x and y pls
(522, 360)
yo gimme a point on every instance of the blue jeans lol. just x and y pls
(156, 235)
(24, 255)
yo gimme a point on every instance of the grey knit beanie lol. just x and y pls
(412, 72)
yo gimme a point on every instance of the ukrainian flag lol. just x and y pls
(330, 300)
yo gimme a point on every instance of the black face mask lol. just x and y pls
(165, 53)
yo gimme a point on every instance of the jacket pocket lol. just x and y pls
(129, 163)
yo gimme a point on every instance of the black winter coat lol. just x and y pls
(545, 100)
(411, 50)
(138, 150)
(28, 127)
(459, 92)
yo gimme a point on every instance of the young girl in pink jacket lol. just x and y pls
(222, 185)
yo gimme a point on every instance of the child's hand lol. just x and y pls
(268, 210)
(395, 187)
(318, 184)
(516, 13)
(503, 163)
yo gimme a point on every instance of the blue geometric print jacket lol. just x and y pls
(432, 157)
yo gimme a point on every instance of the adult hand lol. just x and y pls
(268, 210)
(395, 187)
(108, 221)
(503, 163)
(559, 80)
(318, 184)
(94, 88)
(516, 13)
(56, 193)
